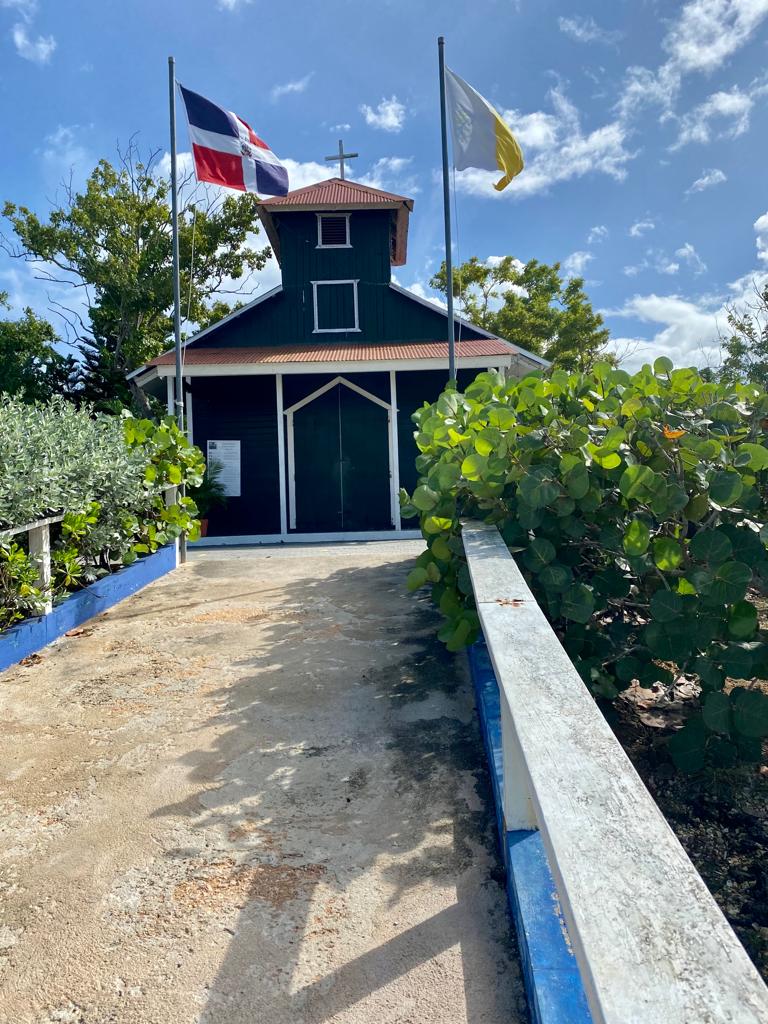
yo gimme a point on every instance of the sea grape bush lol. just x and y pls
(107, 474)
(636, 506)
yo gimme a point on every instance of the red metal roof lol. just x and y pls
(339, 194)
(339, 352)
(336, 192)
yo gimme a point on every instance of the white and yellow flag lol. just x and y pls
(480, 136)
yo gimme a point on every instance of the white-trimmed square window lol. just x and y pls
(333, 231)
(335, 306)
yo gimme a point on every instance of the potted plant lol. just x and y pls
(209, 494)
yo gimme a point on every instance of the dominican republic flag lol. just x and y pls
(228, 152)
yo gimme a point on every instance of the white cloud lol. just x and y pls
(66, 157)
(731, 109)
(423, 292)
(658, 261)
(708, 32)
(389, 115)
(690, 328)
(561, 151)
(233, 5)
(393, 174)
(688, 334)
(598, 233)
(707, 179)
(575, 264)
(297, 86)
(640, 227)
(39, 50)
(26, 8)
(761, 230)
(705, 35)
(340, 128)
(586, 30)
(687, 253)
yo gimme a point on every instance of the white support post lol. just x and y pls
(189, 412)
(169, 399)
(291, 474)
(519, 814)
(40, 552)
(281, 454)
(394, 468)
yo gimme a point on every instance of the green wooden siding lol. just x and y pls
(288, 317)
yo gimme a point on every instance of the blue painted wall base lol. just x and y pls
(33, 634)
(552, 979)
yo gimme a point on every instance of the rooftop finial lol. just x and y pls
(341, 157)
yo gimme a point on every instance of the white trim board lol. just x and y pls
(337, 215)
(354, 281)
(292, 508)
(304, 538)
(339, 366)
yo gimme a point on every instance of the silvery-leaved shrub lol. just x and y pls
(107, 475)
(636, 506)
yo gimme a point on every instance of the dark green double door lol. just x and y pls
(341, 464)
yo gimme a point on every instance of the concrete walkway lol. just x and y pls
(252, 794)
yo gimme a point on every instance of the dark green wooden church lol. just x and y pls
(304, 396)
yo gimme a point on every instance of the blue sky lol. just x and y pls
(643, 123)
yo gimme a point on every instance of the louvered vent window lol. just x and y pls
(333, 232)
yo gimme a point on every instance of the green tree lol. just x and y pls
(745, 347)
(31, 368)
(112, 243)
(532, 306)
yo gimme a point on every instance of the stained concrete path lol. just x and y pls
(252, 794)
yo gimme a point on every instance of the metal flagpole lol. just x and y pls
(179, 389)
(447, 211)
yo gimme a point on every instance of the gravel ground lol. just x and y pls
(252, 793)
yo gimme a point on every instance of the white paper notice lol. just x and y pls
(227, 454)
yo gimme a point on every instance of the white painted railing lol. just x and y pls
(39, 534)
(39, 546)
(652, 945)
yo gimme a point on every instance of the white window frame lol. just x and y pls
(344, 245)
(337, 330)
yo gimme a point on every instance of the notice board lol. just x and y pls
(227, 454)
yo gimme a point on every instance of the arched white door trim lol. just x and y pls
(289, 412)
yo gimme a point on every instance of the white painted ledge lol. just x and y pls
(304, 538)
(652, 945)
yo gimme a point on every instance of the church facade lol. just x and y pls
(304, 396)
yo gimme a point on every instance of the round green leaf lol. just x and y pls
(725, 487)
(710, 546)
(729, 584)
(636, 538)
(416, 578)
(555, 578)
(578, 603)
(757, 455)
(538, 488)
(577, 481)
(750, 712)
(663, 366)
(440, 549)
(538, 554)
(742, 620)
(424, 498)
(716, 712)
(472, 467)
(666, 606)
(667, 553)
(636, 482)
